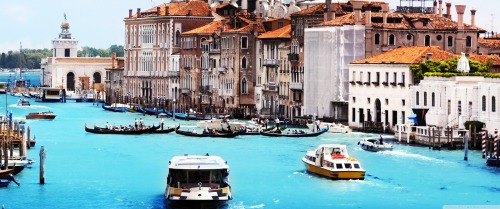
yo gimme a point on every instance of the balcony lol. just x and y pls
(185, 90)
(292, 57)
(393, 83)
(173, 74)
(385, 83)
(214, 50)
(297, 86)
(222, 69)
(271, 62)
(270, 87)
(376, 83)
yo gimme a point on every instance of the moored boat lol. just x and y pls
(41, 115)
(165, 131)
(374, 145)
(332, 127)
(333, 161)
(292, 133)
(219, 124)
(125, 130)
(207, 134)
(198, 181)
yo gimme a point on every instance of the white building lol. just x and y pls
(380, 85)
(67, 71)
(327, 54)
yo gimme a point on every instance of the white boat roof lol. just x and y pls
(193, 162)
(332, 146)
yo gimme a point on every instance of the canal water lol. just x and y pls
(85, 170)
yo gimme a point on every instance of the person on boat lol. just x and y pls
(141, 123)
(136, 123)
(381, 139)
(193, 131)
(161, 123)
(107, 125)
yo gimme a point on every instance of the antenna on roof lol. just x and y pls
(153, 2)
(492, 21)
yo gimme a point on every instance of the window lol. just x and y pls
(427, 40)
(387, 77)
(353, 99)
(353, 75)
(369, 77)
(386, 101)
(403, 102)
(244, 42)
(378, 77)
(439, 37)
(468, 41)
(408, 37)
(67, 53)
(395, 78)
(353, 115)
(280, 24)
(417, 98)
(425, 98)
(244, 62)
(449, 107)
(377, 39)
(459, 107)
(483, 103)
(433, 97)
(244, 89)
(493, 104)
(403, 78)
(392, 40)
(450, 41)
(177, 38)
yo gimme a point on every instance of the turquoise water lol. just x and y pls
(85, 170)
(32, 77)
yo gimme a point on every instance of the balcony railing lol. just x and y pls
(173, 74)
(185, 90)
(271, 62)
(293, 57)
(270, 87)
(296, 85)
(222, 69)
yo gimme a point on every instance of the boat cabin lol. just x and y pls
(49, 95)
(198, 171)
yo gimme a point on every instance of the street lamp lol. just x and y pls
(173, 114)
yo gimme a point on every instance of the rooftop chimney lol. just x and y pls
(328, 15)
(130, 13)
(357, 5)
(435, 7)
(138, 12)
(368, 15)
(429, 56)
(166, 11)
(189, 12)
(440, 7)
(113, 60)
(223, 24)
(385, 9)
(157, 11)
(448, 10)
(460, 16)
(473, 18)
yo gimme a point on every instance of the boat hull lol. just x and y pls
(194, 198)
(339, 175)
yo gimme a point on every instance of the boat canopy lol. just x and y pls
(200, 162)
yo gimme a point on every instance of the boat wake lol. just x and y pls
(240, 205)
(31, 106)
(409, 155)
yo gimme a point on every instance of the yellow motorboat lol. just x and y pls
(333, 161)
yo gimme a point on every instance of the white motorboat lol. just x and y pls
(374, 144)
(23, 102)
(195, 180)
(332, 127)
(333, 161)
(219, 124)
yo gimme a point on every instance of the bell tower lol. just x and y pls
(64, 45)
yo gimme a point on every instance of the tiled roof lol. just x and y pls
(259, 27)
(84, 60)
(198, 8)
(489, 43)
(407, 55)
(206, 29)
(338, 8)
(283, 32)
(407, 21)
(318, 9)
(495, 59)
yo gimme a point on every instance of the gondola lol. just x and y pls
(257, 132)
(165, 131)
(305, 134)
(98, 130)
(114, 109)
(219, 135)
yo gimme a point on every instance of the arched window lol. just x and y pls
(427, 40)
(244, 89)
(493, 104)
(97, 77)
(177, 38)
(244, 62)
(417, 98)
(483, 103)
(433, 99)
(468, 41)
(392, 39)
(377, 39)
(450, 41)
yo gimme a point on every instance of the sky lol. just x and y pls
(99, 23)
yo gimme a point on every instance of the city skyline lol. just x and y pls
(99, 24)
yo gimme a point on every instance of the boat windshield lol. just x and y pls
(192, 178)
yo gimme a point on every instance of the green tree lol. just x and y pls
(118, 49)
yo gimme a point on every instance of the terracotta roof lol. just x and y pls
(198, 8)
(318, 9)
(495, 59)
(406, 21)
(283, 32)
(84, 60)
(206, 29)
(338, 8)
(489, 43)
(259, 27)
(407, 55)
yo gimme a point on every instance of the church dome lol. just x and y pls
(64, 24)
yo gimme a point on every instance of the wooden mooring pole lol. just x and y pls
(43, 155)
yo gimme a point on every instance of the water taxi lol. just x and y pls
(219, 124)
(41, 115)
(333, 161)
(374, 145)
(23, 102)
(332, 127)
(198, 181)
